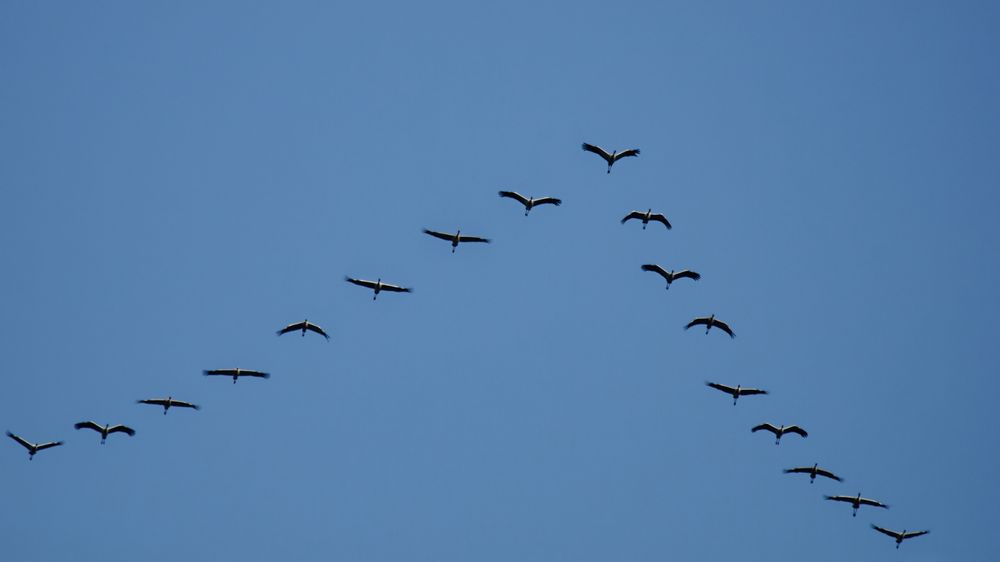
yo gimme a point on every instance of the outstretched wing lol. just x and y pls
(633, 215)
(20, 440)
(799, 470)
(515, 195)
(765, 427)
(797, 430)
(660, 217)
(828, 474)
(598, 151)
(703, 321)
(220, 372)
(751, 391)
(845, 499)
(440, 235)
(258, 374)
(657, 269)
(889, 532)
(361, 282)
(291, 328)
(873, 503)
(48, 445)
(724, 327)
(314, 328)
(722, 387)
(548, 201)
(396, 288)
(912, 534)
(180, 404)
(687, 273)
(122, 429)
(627, 153)
(473, 239)
(153, 401)
(88, 425)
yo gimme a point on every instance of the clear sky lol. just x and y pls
(181, 179)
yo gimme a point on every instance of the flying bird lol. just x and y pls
(710, 322)
(530, 202)
(613, 157)
(856, 502)
(900, 537)
(456, 238)
(236, 373)
(304, 326)
(813, 471)
(167, 403)
(33, 447)
(737, 391)
(671, 275)
(649, 215)
(779, 431)
(105, 430)
(378, 286)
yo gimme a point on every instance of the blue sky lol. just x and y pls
(180, 180)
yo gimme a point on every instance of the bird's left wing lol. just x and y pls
(122, 429)
(514, 195)
(722, 387)
(660, 217)
(796, 429)
(87, 425)
(884, 531)
(627, 153)
(361, 282)
(724, 327)
(49, 445)
(548, 201)
(396, 288)
(24, 442)
(912, 534)
(633, 215)
(318, 330)
(473, 239)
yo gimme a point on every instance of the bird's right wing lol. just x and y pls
(20, 440)
(799, 470)
(48, 445)
(219, 372)
(828, 474)
(318, 330)
(514, 195)
(627, 153)
(687, 273)
(122, 429)
(153, 401)
(473, 239)
(912, 534)
(598, 151)
(548, 201)
(722, 387)
(88, 425)
(440, 235)
(660, 217)
(845, 499)
(889, 532)
(751, 391)
(258, 374)
(180, 404)
(724, 327)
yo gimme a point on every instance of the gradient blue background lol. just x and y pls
(180, 179)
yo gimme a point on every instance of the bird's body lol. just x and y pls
(649, 215)
(813, 471)
(236, 373)
(168, 403)
(304, 326)
(106, 429)
(456, 238)
(530, 202)
(899, 536)
(856, 502)
(780, 431)
(710, 322)
(378, 286)
(671, 276)
(736, 391)
(33, 448)
(612, 157)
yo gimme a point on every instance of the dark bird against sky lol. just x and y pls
(610, 158)
(530, 202)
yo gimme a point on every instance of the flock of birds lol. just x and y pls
(457, 238)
